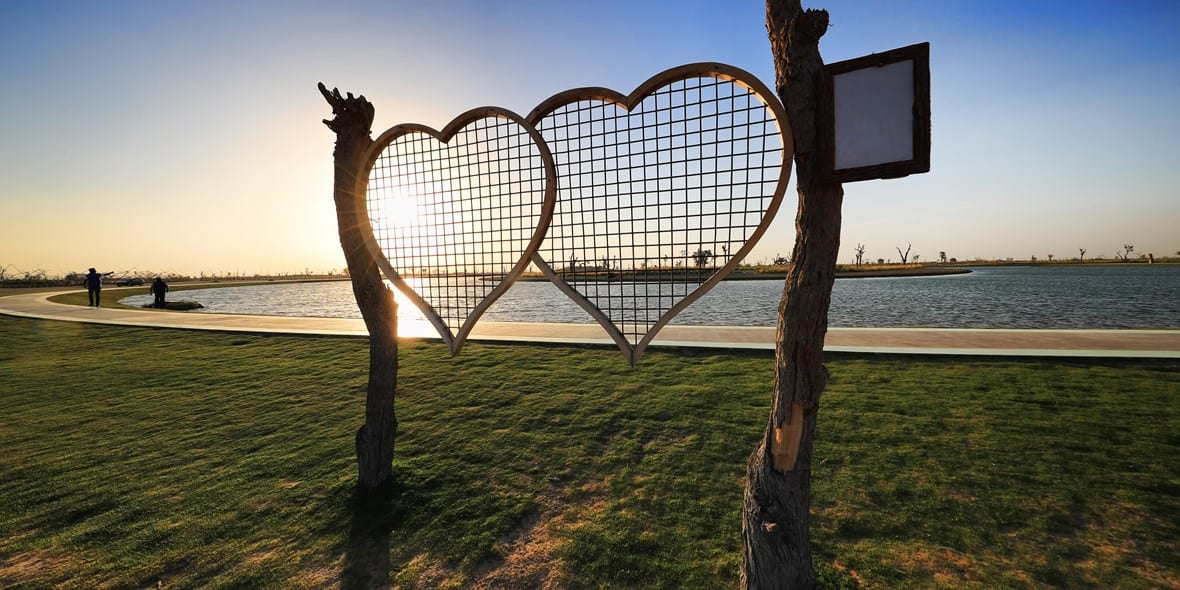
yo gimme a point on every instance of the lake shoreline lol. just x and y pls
(754, 275)
(860, 274)
(989, 297)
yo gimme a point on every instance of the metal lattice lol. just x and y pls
(456, 214)
(661, 193)
(644, 202)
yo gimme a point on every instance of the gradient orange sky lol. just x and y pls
(186, 137)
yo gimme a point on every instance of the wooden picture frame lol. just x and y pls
(875, 120)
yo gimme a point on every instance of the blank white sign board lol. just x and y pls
(878, 119)
(874, 115)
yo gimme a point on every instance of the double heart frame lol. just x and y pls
(632, 205)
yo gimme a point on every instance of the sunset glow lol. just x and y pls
(188, 139)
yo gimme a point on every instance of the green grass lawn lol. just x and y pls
(132, 457)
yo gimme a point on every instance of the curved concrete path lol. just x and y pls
(1067, 343)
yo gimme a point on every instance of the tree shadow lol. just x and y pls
(374, 516)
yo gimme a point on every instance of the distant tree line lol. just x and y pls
(1123, 255)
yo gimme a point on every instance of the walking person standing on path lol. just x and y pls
(94, 286)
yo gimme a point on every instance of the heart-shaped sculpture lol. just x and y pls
(661, 193)
(456, 214)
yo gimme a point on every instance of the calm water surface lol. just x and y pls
(1139, 296)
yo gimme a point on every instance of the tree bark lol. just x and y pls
(374, 439)
(775, 516)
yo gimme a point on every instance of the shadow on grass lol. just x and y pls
(374, 516)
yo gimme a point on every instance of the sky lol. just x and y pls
(186, 137)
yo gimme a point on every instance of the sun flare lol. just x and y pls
(395, 208)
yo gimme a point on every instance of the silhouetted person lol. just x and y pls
(94, 286)
(159, 288)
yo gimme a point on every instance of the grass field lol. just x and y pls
(136, 457)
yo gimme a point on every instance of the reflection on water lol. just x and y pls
(634, 306)
(1099, 296)
(453, 298)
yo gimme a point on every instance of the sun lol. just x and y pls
(393, 208)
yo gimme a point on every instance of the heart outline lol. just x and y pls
(454, 341)
(723, 72)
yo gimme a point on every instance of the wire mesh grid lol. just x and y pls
(652, 201)
(453, 219)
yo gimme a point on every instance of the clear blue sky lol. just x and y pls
(186, 137)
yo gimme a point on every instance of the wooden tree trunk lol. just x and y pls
(375, 439)
(775, 516)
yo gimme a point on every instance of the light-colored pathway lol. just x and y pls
(1070, 343)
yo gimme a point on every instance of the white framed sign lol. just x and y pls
(877, 122)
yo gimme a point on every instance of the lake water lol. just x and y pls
(1098, 296)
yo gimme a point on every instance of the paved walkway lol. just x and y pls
(1068, 343)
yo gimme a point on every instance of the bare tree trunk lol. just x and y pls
(905, 255)
(375, 439)
(775, 517)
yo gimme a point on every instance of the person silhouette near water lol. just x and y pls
(94, 286)
(159, 288)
